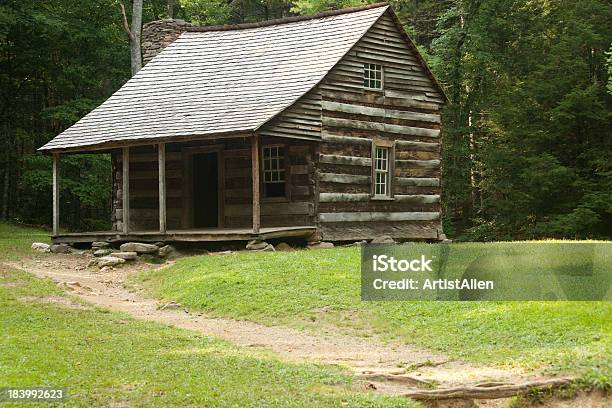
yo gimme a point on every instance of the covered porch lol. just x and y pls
(201, 190)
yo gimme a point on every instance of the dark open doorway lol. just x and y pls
(205, 190)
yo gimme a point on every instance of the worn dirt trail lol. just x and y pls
(370, 358)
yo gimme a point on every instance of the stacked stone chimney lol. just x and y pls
(157, 35)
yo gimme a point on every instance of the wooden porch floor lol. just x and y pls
(190, 235)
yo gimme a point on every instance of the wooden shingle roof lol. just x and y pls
(219, 81)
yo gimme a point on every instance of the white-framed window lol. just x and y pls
(372, 76)
(274, 171)
(382, 182)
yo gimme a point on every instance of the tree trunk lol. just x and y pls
(7, 175)
(5, 192)
(135, 52)
(133, 33)
(170, 9)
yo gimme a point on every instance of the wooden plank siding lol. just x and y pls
(405, 113)
(236, 201)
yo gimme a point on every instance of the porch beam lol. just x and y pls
(161, 164)
(255, 173)
(125, 189)
(56, 215)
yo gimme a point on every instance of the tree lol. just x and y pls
(134, 33)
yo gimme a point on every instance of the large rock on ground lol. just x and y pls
(139, 247)
(167, 251)
(41, 247)
(102, 252)
(283, 246)
(60, 249)
(109, 261)
(99, 245)
(128, 256)
(256, 245)
(320, 245)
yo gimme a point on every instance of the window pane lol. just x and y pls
(274, 171)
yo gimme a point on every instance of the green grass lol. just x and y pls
(108, 359)
(103, 358)
(15, 240)
(307, 288)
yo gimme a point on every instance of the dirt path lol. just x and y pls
(368, 357)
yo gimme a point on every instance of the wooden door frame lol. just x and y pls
(187, 154)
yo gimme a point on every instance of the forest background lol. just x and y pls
(527, 149)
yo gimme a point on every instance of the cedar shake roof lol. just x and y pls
(219, 80)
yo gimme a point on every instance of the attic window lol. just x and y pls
(372, 76)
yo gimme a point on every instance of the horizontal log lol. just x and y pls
(347, 231)
(380, 127)
(417, 181)
(329, 138)
(291, 208)
(422, 164)
(405, 144)
(418, 198)
(378, 216)
(343, 197)
(380, 112)
(344, 178)
(416, 95)
(379, 100)
(424, 146)
(346, 160)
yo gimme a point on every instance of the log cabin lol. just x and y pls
(325, 127)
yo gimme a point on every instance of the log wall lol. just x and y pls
(407, 114)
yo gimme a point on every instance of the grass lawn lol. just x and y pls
(15, 240)
(304, 287)
(109, 359)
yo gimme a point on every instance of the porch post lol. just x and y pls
(56, 194)
(255, 173)
(162, 186)
(125, 189)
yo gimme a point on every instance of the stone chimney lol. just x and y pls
(157, 35)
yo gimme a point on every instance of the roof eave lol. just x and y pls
(116, 144)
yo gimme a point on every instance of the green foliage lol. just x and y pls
(206, 12)
(58, 60)
(597, 380)
(316, 6)
(527, 147)
(84, 190)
